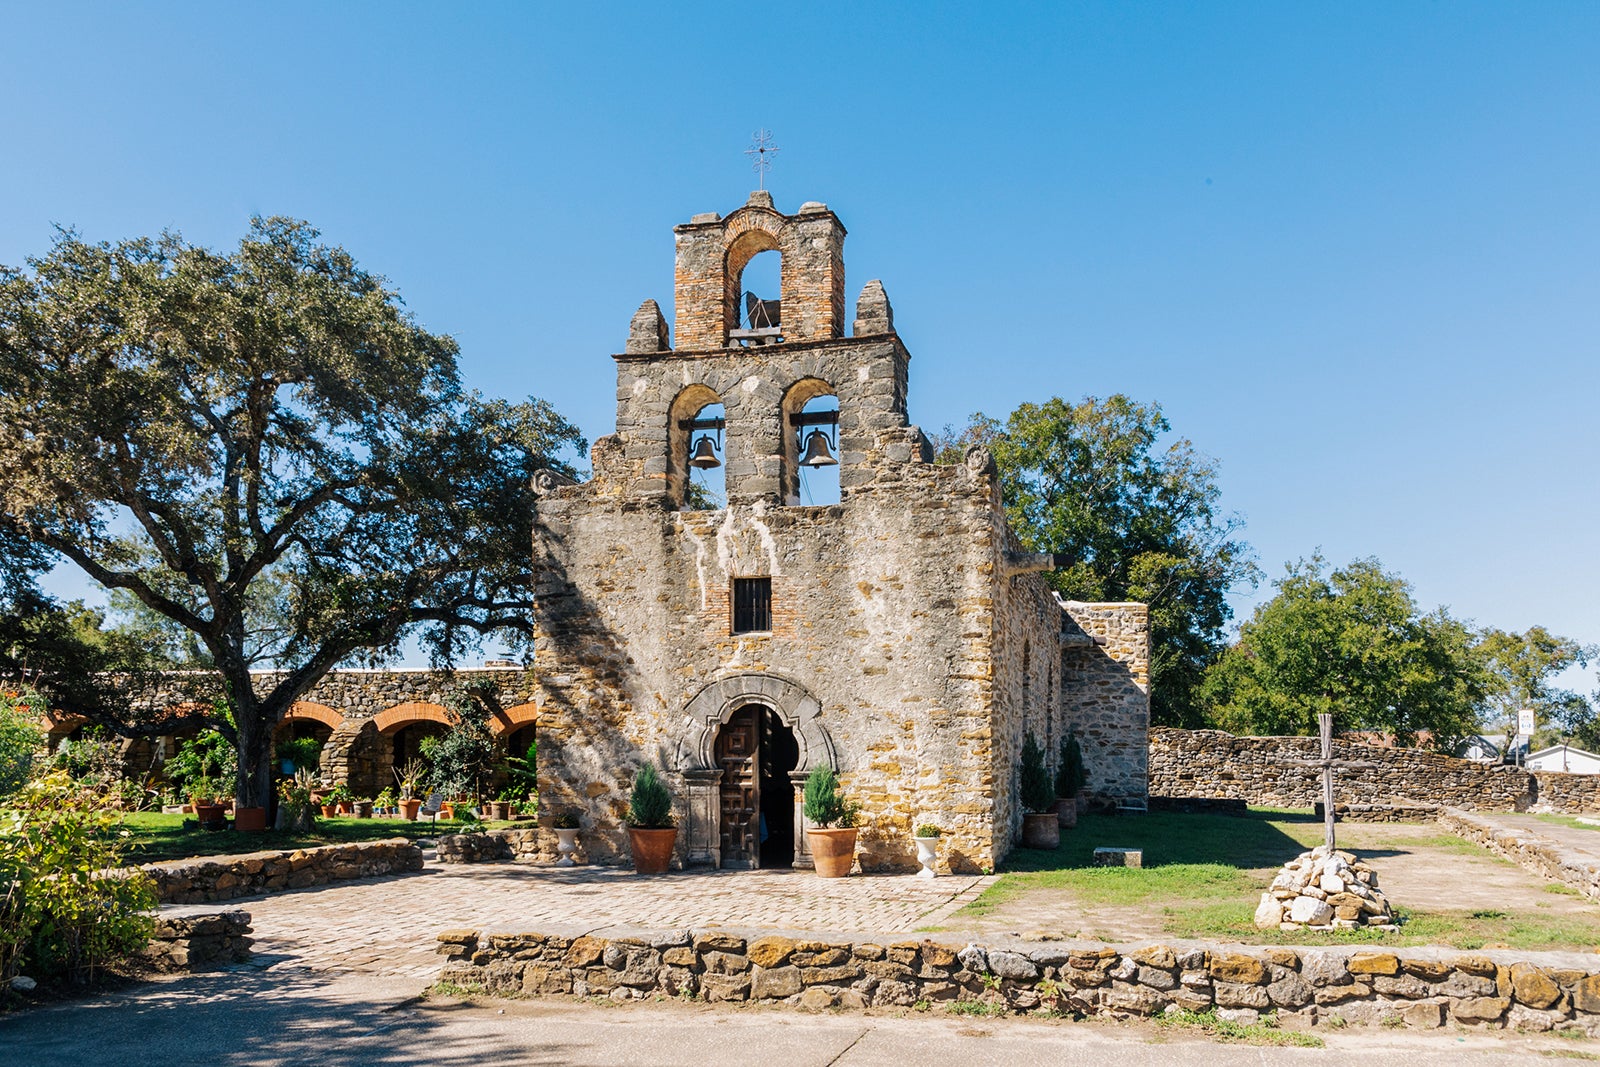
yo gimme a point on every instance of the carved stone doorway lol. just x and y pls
(756, 754)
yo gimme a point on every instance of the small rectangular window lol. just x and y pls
(752, 605)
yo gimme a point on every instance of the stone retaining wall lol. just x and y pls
(1303, 986)
(495, 846)
(199, 942)
(194, 881)
(1527, 849)
(1257, 770)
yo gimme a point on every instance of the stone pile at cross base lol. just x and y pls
(1324, 889)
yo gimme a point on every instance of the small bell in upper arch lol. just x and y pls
(818, 454)
(705, 454)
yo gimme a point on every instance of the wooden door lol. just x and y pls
(738, 754)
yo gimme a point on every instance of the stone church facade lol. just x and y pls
(900, 635)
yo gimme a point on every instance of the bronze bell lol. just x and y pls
(818, 454)
(705, 454)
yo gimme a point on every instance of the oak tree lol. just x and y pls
(265, 448)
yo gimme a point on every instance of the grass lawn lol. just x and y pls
(1205, 873)
(1568, 820)
(169, 837)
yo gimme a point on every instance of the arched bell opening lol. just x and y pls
(753, 281)
(697, 443)
(811, 444)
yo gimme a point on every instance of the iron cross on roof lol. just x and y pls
(761, 147)
(1327, 764)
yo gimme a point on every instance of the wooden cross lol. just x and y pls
(1327, 764)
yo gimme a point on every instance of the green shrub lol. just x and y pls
(303, 752)
(650, 806)
(825, 806)
(60, 916)
(927, 829)
(1070, 776)
(22, 737)
(1038, 792)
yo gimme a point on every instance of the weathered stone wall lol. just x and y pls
(1526, 848)
(199, 942)
(196, 881)
(1211, 763)
(1105, 682)
(493, 846)
(1420, 988)
(1559, 791)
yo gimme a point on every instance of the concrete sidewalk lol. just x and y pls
(264, 1017)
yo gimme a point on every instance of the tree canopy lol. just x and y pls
(1522, 671)
(265, 448)
(1352, 642)
(1136, 513)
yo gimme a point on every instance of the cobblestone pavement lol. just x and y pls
(388, 926)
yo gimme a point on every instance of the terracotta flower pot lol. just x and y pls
(833, 850)
(500, 809)
(1041, 829)
(250, 820)
(328, 810)
(208, 814)
(409, 808)
(652, 849)
(1067, 812)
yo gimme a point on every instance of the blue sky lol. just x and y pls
(1352, 252)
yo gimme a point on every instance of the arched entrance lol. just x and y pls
(756, 752)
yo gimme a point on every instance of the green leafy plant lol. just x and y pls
(339, 794)
(825, 805)
(58, 916)
(650, 806)
(209, 756)
(301, 751)
(22, 737)
(1038, 791)
(386, 798)
(1071, 776)
(927, 829)
(409, 778)
(463, 760)
(294, 801)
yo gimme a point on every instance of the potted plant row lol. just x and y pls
(832, 830)
(651, 833)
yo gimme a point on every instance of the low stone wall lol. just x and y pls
(493, 846)
(1565, 793)
(1211, 763)
(199, 942)
(195, 881)
(1422, 988)
(1526, 848)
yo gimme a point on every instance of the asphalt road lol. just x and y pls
(285, 1015)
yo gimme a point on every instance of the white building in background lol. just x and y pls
(1568, 758)
(1479, 748)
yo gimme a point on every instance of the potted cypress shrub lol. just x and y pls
(1041, 827)
(651, 834)
(1070, 778)
(832, 833)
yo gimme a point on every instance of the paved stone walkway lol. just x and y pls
(388, 926)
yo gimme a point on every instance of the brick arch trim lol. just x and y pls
(306, 710)
(389, 720)
(716, 703)
(510, 719)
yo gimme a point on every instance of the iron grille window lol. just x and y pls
(752, 605)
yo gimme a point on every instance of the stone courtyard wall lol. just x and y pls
(1215, 764)
(1417, 988)
(1105, 683)
(200, 880)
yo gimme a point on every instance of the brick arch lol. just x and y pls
(511, 719)
(389, 720)
(795, 398)
(309, 711)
